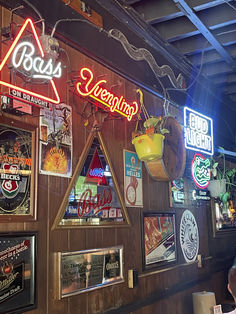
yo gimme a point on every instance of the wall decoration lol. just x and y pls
(177, 197)
(200, 169)
(93, 197)
(82, 271)
(159, 239)
(18, 167)
(101, 96)
(189, 237)
(133, 186)
(198, 132)
(17, 272)
(55, 150)
(27, 60)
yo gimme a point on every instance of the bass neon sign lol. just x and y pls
(31, 63)
(198, 132)
(200, 170)
(88, 87)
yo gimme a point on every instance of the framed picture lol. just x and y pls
(18, 171)
(17, 272)
(177, 193)
(158, 239)
(82, 271)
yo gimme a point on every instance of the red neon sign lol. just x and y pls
(29, 22)
(87, 87)
(95, 174)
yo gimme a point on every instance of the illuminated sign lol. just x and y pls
(87, 87)
(198, 131)
(95, 174)
(29, 60)
(200, 170)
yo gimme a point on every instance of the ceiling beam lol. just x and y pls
(184, 7)
(225, 79)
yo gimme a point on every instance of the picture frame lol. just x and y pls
(159, 246)
(177, 193)
(18, 272)
(18, 170)
(82, 271)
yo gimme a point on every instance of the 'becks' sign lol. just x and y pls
(198, 132)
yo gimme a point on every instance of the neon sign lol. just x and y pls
(200, 170)
(198, 131)
(95, 174)
(23, 57)
(96, 90)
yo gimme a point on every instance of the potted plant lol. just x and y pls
(221, 181)
(148, 141)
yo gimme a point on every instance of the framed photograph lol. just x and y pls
(82, 271)
(18, 171)
(17, 272)
(158, 239)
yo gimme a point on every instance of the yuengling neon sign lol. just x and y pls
(88, 87)
(29, 59)
(198, 131)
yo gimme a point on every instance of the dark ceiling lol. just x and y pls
(204, 31)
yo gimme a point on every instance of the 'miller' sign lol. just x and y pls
(198, 132)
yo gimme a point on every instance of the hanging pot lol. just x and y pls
(149, 147)
(172, 164)
(216, 187)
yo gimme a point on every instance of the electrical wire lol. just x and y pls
(38, 13)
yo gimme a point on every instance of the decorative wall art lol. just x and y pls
(93, 197)
(17, 272)
(133, 186)
(159, 239)
(177, 197)
(56, 141)
(82, 271)
(189, 236)
(18, 167)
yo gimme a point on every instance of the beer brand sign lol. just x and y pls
(29, 60)
(89, 87)
(198, 132)
(200, 170)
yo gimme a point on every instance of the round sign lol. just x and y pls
(189, 237)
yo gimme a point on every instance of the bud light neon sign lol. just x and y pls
(198, 132)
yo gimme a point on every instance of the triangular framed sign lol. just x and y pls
(93, 197)
(27, 56)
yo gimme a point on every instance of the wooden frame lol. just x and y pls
(215, 231)
(83, 271)
(59, 222)
(158, 234)
(18, 160)
(18, 267)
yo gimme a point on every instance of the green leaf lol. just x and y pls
(164, 131)
(151, 122)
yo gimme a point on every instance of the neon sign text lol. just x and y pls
(198, 131)
(23, 55)
(96, 91)
(96, 172)
(200, 170)
(43, 69)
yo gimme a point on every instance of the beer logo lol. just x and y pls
(189, 238)
(10, 186)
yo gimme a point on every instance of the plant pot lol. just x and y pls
(216, 187)
(149, 147)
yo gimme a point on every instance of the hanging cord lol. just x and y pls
(144, 110)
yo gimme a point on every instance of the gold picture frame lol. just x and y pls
(61, 222)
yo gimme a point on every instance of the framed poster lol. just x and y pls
(133, 187)
(18, 171)
(82, 271)
(158, 239)
(55, 149)
(17, 272)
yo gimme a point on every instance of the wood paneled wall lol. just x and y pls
(141, 299)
